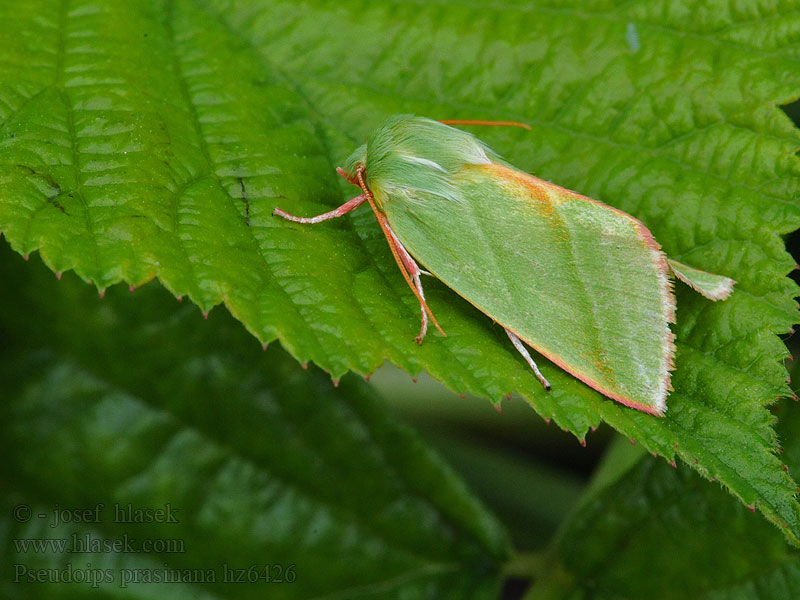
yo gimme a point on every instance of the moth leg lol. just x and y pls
(345, 208)
(411, 272)
(408, 267)
(524, 351)
(414, 272)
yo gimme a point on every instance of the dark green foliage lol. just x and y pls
(152, 139)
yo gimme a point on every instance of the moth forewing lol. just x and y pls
(580, 282)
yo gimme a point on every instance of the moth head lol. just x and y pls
(354, 161)
(409, 158)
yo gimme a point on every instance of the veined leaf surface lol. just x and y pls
(153, 139)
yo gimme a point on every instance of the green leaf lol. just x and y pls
(153, 139)
(263, 463)
(662, 533)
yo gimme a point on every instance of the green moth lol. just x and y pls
(582, 283)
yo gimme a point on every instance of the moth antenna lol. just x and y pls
(487, 123)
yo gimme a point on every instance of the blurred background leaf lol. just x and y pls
(153, 139)
(650, 531)
(264, 464)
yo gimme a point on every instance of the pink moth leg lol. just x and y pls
(524, 351)
(345, 208)
(408, 267)
(414, 271)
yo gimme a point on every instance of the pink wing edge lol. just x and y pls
(668, 296)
